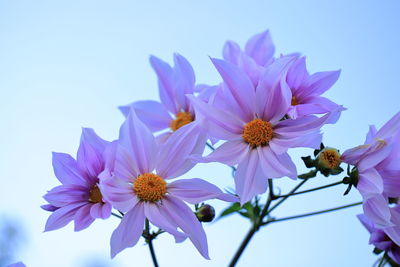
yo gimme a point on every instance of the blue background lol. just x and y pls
(68, 64)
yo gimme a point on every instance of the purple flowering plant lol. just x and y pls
(263, 106)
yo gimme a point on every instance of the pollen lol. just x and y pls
(330, 158)
(150, 187)
(295, 102)
(258, 132)
(95, 195)
(181, 119)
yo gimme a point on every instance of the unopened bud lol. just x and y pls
(328, 161)
(205, 213)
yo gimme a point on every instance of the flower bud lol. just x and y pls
(328, 161)
(205, 213)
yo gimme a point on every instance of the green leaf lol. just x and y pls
(231, 209)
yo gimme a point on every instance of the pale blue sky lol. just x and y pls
(68, 64)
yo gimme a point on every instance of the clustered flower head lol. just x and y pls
(263, 106)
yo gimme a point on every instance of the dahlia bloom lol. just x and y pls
(79, 197)
(135, 183)
(377, 170)
(306, 89)
(380, 239)
(251, 120)
(174, 110)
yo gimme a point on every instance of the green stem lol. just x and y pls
(310, 190)
(312, 213)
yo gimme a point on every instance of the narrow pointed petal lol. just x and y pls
(129, 230)
(82, 218)
(273, 96)
(296, 75)
(184, 81)
(370, 182)
(390, 128)
(62, 216)
(197, 190)
(276, 166)
(90, 161)
(173, 159)
(157, 217)
(376, 208)
(184, 217)
(230, 153)
(260, 47)
(249, 178)
(320, 82)
(139, 141)
(66, 169)
(219, 123)
(240, 86)
(165, 83)
(394, 234)
(101, 210)
(281, 145)
(151, 113)
(231, 52)
(63, 195)
(119, 193)
(381, 150)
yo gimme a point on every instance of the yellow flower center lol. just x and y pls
(257, 132)
(295, 102)
(95, 195)
(330, 158)
(181, 119)
(150, 187)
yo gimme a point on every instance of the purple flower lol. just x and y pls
(307, 89)
(175, 110)
(251, 119)
(380, 239)
(377, 171)
(78, 198)
(136, 184)
(257, 54)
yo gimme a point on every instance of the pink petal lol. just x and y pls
(231, 52)
(82, 218)
(129, 230)
(173, 159)
(273, 96)
(165, 83)
(260, 48)
(66, 169)
(380, 152)
(276, 166)
(249, 178)
(101, 210)
(320, 82)
(390, 128)
(63, 195)
(157, 217)
(376, 208)
(152, 113)
(119, 193)
(139, 142)
(296, 74)
(240, 86)
(62, 216)
(280, 145)
(184, 217)
(219, 123)
(184, 80)
(230, 153)
(197, 190)
(369, 182)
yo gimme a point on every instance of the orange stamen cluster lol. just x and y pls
(181, 119)
(330, 158)
(295, 102)
(258, 132)
(150, 187)
(95, 195)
